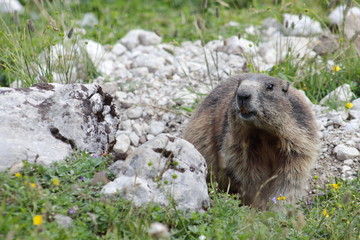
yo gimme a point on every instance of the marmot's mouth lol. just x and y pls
(245, 113)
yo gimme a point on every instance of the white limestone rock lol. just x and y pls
(118, 49)
(138, 37)
(44, 123)
(122, 143)
(340, 94)
(356, 103)
(134, 113)
(11, 6)
(344, 152)
(89, 20)
(300, 25)
(156, 128)
(243, 47)
(163, 169)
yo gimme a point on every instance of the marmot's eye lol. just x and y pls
(270, 87)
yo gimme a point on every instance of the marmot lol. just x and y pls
(258, 136)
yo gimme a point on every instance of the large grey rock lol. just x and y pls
(10, 6)
(138, 37)
(46, 122)
(356, 103)
(277, 49)
(122, 143)
(134, 113)
(296, 25)
(89, 20)
(340, 94)
(118, 49)
(344, 152)
(163, 169)
(95, 50)
(243, 47)
(354, 114)
(352, 26)
(69, 61)
(337, 15)
(149, 61)
(157, 127)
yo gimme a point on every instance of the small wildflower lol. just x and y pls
(281, 198)
(18, 175)
(56, 181)
(82, 178)
(336, 68)
(335, 186)
(308, 203)
(37, 220)
(325, 213)
(349, 105)
(32, 185)
(73, 210)
(95, 156)
(274, 200)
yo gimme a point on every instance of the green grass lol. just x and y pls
(97, 217)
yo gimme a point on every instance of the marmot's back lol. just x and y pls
(256, 130)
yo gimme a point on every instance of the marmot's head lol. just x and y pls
(262, 100)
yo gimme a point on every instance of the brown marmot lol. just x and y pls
(258, 136)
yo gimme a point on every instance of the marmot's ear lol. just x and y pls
(286, 87)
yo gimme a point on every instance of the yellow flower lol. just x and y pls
(349, 105)
(334, 185)
(32, 185)
(281, 198)
(325, 213)
(37, 220)
(336, 68)
(56, 181)
(18, 175)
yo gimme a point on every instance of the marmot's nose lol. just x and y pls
(243, 95)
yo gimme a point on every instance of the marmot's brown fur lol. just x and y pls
(258, 136)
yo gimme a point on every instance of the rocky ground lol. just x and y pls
(339, 131)
(155, 83)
